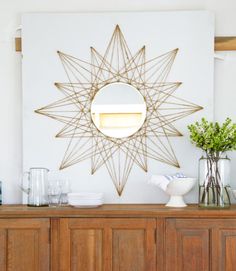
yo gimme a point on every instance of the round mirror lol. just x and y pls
(118, 110)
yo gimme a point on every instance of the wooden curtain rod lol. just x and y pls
(18, 44)
(221, 44)
(225, 43)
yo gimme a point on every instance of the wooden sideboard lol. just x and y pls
(127, 237)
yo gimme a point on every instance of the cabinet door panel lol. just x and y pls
(81, 244)
(224, 245)
(24, 244)
(107, 244)
(128, 250)
(228, 250)
(133, 245)
(23, 250)
(86, 249)
(193, 250)
(187, 246)
(203, 244)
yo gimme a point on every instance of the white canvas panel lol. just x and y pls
(44, 34)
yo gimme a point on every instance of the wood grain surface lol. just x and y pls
(24, 245)
(221, 44)
(113, 237)
(116, 210)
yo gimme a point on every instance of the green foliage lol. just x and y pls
(213, 137)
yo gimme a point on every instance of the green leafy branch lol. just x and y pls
(212, 137)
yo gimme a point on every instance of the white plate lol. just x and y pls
(86, 206)
(85, 202)
(85, 195)
(79, 198)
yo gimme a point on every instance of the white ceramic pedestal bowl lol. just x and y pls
(177, 189)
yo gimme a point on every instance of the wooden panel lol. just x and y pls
(18, 44)
(133, 245)
(228, 250)
(81, 245)
(3, 249)
(193, 250)
(221, 44)
(107, 244)
(225, 43)
(23, 250)
(128, 250)
(187, 246)
(64, 245)
(25, 244)
(199, 243)
(55, 228)
(212, 241)
(224, 244)
(116, 211)
(86, 250)
(160, 244)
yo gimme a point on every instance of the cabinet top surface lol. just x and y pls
(116, 210)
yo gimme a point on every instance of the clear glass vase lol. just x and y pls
(214, 181)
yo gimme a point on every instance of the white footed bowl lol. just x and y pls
(177, 189)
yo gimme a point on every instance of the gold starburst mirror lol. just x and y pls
(118, 109)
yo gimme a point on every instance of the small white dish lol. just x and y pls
(86, 206)
(85, 202)
(85, 195)
(177, 189)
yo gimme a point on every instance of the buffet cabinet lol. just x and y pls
(117, 238)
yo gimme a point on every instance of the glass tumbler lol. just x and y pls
(65, 189)
(54, 193)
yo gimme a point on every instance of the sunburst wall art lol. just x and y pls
(119, 109)
(118, 65)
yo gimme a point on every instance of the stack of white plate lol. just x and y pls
(85, 200)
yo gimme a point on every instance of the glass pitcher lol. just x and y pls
(37, 186)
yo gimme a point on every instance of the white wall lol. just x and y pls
(10, 69)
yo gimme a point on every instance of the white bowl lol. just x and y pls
(177, 189)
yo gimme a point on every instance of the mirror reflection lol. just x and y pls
(118, 110)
